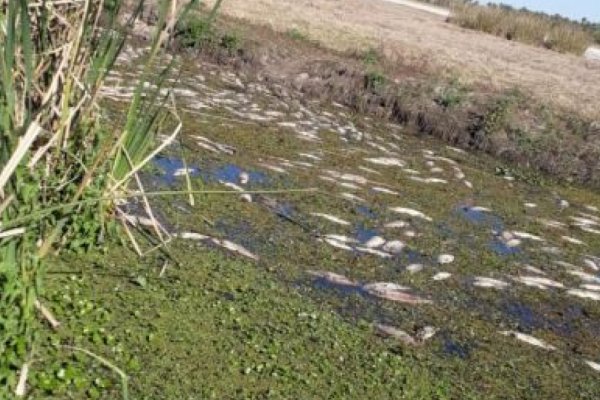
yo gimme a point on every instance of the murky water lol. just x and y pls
(390, 208)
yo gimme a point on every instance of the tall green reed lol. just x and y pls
(60, 167)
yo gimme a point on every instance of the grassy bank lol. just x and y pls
(508, 124)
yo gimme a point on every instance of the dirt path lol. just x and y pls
(442, 12)
(561, 79)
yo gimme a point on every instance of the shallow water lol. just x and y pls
(457, 209)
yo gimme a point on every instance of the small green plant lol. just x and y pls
(231, 42)
(370, 56)
(451, 95)
(296, 34)
(374, 80)
(196, 32)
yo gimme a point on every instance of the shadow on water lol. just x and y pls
(479, 217)
(563, 320)
(451, 347)
(363, 234)
(366, 211)
(502, 249)
(172, 168)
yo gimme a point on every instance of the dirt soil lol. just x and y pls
(560, 79)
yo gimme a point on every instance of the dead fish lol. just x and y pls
(374, 252)
(273, 168)
(234, 247)
(426, 333)
(410, 171)
(374, 242)
(445, 258)
(528, 236)
(534, 270)
(414, 268)
(331, 218)
(333, 278)
(411, 212)
(528, 339)
(592, 263)
(441, 276)
(192, 236)
(594, 365)
(348, 185)
(388, 161)
(585, 294)
(393, 292)
(410, 233)
(184, 171)
(422, 335)
(551, 223)
(538, 282)
(436, 170)
(369, 170)
(468, 184)
(592, 287)
(386, 330)
(394, 246)
(428, 180)
(530, 205)
(396, 224)
(244, 178)
(384, 190)
(485, 282)
(311, 156)
(352, 197)
(338, 244)
(572, 240)
(341, 238)
(584, 276)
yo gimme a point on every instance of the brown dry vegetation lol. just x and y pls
(527, 27)
(562, 80)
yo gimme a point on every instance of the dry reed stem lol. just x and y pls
(54, 323)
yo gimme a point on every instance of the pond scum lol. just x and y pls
(63, 172)
(412, 271)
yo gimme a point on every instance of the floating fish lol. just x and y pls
(528, 236)
(592, 287)
(411, 212)
(528, 339)
(333, 278)
(352, 197)
(572, 240)
(384, 190)
(236, 248)
(585, 294)
(534, 270)
(485, 282)
(331, 218)
(388, 161)
(594, 365)
(445, 258)
(374, 242)
(538, 282)
(428, 180)
(415, 268)
(396, 224)
(394, 246)
(441, 276)
(394, 292)
(374, 252)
